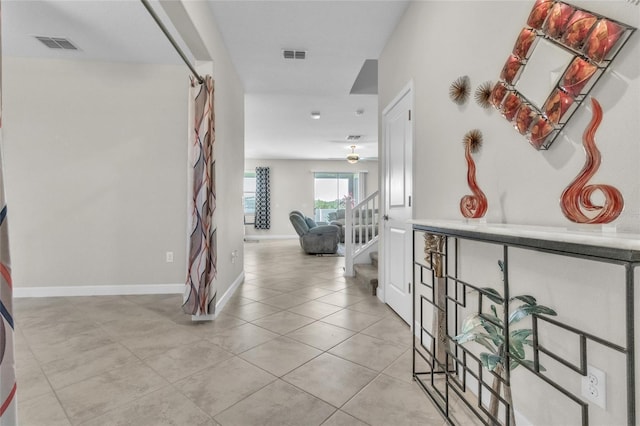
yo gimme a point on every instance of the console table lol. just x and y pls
(452, 374)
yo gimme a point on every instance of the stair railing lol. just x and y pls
(361, 228)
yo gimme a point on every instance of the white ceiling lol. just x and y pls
(280, 94)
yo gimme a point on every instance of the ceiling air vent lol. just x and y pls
(294, 54)
(56, 43)
(353, 138)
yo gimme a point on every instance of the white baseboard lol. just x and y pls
(230, 291)
(97, 290)
(269, 237)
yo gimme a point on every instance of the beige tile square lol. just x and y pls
(312, 292)
(341, 299)
(368, 351)
(352, 320)
(84, 365)
(204, 329)
(340, 418)
(402, 368)
(285, 301)
(372, 306)
(314, 309)
(159, 408)
(159, 342)
(258, 293)
(251, 311)
(239, 339)
(185, 360)
(281, 355)
(392, 329)
(283, 322)
(70, 345)
(93, 397)
(330, 378)
(42, 410)
(218, 388)
(321, 335)
(32, 382)
(277, 404)
(388, 401)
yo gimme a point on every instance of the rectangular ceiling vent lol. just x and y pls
(294, 54)
(56, 43)
(353, 138)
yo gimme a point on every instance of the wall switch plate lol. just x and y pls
(169, 257)
(594, 387)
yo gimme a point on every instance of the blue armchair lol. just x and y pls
(314, 238)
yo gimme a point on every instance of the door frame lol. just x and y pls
(407, 90)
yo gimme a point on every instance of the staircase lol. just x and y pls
(367, 273)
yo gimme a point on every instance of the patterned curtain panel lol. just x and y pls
(263, 199)
(8, 409)
(200, 291)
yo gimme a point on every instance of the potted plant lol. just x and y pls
(487, 329)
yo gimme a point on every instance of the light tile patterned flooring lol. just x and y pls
(298, 344)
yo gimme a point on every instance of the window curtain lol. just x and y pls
(200, 292)
(8, 399)
(263, 199)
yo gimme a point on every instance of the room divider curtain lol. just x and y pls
(200, 292)
(263, 199)
(8, 409)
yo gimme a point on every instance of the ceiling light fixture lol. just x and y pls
(353, 157)
(315, 115)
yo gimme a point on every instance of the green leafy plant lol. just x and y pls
(487, 329)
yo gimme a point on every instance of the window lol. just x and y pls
(249, 198)
(330, 192)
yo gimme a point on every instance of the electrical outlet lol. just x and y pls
(169, 257)
(594, 387)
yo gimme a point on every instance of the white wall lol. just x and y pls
(434, 44)
(292, 189)
(95, 171)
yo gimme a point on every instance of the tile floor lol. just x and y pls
(298, 344)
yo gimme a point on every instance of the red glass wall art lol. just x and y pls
(577, 76)
(524, 43)
(510, 70)
(511, 105)
(602, 39)
(557, 20)
(578, 28)
(540, 131)
(539, 13)
(557, 105)
(524, 118)
(577, 196)
(473, 206)
(497, 94)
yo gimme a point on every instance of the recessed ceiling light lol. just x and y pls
(315, 115)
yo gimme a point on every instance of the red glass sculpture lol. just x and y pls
(577, 76)
(510, 106)
(510, 69)
(602, 39)
(524, 43)
(556, 106)
(539, 13)
(540, 130)
(577, 196)
(556, 23)
(497, 94)
(578, 29)
(473, 206)
(524, 118)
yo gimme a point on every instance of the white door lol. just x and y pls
(397, 142)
